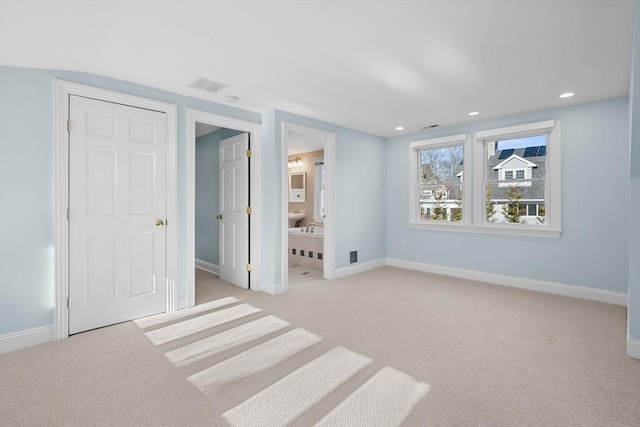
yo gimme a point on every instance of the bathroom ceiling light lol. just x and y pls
(399, 128)
(231, 99)
(474, 113)
(567, 95)
(295, 162)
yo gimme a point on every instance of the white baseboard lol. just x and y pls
(610, 297)
(24, 339)
(207, 266)
(633, 348)
(359, 268)
(271, 288)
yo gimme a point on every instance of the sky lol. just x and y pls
(530, 141)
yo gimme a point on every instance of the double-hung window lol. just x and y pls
(501, 181)
(440, 194)
(517, 179)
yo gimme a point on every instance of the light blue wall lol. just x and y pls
(27, 185)
(207, 192)
(26, 200)
(595, 188)
(633, 311)
(360, 198)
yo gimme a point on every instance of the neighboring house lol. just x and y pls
(521, 179)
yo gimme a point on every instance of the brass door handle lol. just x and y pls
(159, 223)
(219, 217)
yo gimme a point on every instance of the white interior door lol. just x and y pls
(117, 209)
(233, 218)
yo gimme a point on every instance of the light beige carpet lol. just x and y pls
(383, 348)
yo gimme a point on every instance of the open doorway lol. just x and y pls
(308, 203)
(221, 221)
(222, 227)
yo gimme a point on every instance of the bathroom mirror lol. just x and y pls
(297, 185)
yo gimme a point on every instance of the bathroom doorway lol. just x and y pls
(309, 206)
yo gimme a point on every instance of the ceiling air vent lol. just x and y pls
(207, 85)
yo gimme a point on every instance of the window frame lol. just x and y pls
(474, 191)
(552, 227)
(414, 200)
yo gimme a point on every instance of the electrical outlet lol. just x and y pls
(353, 257)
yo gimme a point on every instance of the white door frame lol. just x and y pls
(255, 135)
(63, 90)
(329, 256)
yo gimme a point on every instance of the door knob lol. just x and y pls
(219, 217)
(159, 223)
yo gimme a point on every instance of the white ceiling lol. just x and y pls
(299, 143)
(370, 66)
(203, 129)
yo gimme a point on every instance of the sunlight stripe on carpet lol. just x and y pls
(157, 319)
(225, 340)
(287, 399)
(384, 400)
(256, 359)
(200, 323)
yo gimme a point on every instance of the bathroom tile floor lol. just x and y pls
(300, 277)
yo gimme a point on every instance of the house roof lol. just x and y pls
(516, 157)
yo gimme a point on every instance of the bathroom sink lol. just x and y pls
(295, 216)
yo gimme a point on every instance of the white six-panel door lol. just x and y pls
(233, 219)
(117, 209)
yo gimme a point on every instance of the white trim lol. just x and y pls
(633, 348)
(329, 257)
(271, 288)
(443, 141)
(255, 132)
(609, 297)
(516, 131)
(522, 230)
(360, 268)
(62, 91)
(27, 338)
(207, 266)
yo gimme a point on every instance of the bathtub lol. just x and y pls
(318, 232)
(306, 249)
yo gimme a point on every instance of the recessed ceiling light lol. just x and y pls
(567, 95)
(231, 99)
(399, 128)
(474, 113)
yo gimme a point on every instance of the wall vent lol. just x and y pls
(207, 85)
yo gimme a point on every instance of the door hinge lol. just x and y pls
(248, 153)
(249, 267)
(249, 210)
(67, 302)
(68, 214)
(166, 222)
(69, 125)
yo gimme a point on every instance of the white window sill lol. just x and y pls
(506, 230)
